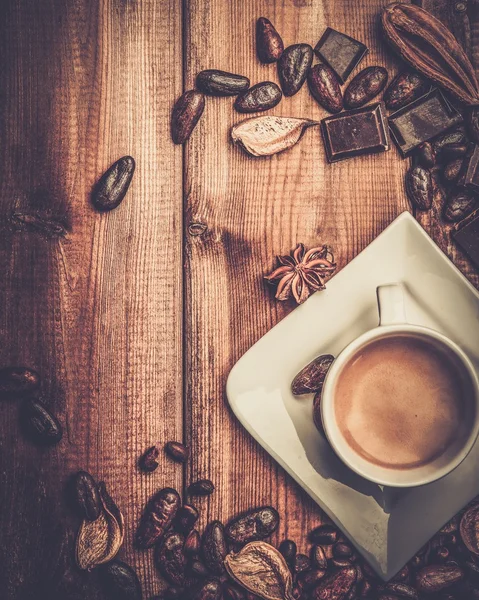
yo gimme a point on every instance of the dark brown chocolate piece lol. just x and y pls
(341, 52)
(467, 236)
(422, 120)
(471, 180)
(355, 132)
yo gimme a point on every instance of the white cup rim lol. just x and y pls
(404, 477)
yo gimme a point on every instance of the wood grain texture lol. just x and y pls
(95, 311)
(253, 210)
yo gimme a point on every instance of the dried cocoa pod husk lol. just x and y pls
(430, 48)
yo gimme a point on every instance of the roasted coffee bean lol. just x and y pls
(336, 586)
(260, 97)
(301, 563)
(309, 579)
(213, 547)
(426, 155)
(177, 451)
(39, 424)
(405, 88)
(186, 518)
(311, 377)
(185, 116)
(324, 87)
(221, 83)
(339, 563)
(324, 534)
(452, 137)
(148, 462)
(211, 590)
(435, 578)
(452, 170)
(87, 498)
(113, 184)
(288, 550)
(402, 590)
(269, 45)
(119, 581)
(192, 543)
(419, 187)
(198, 569)
(256, 524)
(232, 592)
(202, 487)
(18, 381)
(452, 151)
(170, 559)
(157, 517)
(341, 550)
(293, 67)
(366, 85)
(318, 557)
(459, 206)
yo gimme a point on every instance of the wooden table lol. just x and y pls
(134, 318)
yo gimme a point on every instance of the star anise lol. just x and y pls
(302, 273)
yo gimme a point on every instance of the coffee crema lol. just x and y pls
(401, 402)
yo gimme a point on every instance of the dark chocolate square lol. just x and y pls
(341, 52)
(355, 132)
(467, 236)
(421, 120)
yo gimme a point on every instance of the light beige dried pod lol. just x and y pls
(262, 570)
(98, 541)
(267, 135)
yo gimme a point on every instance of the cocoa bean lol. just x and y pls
(120, 582)
(198, 569)
(459, 205)
(309, 579)
(202, 487)
(186, 113)
(336, 586)
(269, 45)
(452, 170)
(452, 151)
(177, 451)
(365, 589)
(192, 543)
(324, 534)
(452, 137)
(148, 462)
(311, 378)
(341, 550)
(339, 563)
(262, 96)
(441, 554)
(325, 88)
(293, 67)
(426, 155)
(366, 85)
(435, 578)
(419, 187)
(87, 498)
(405, 88)
(157, 517)
(221, 83)
(232, 592)
(186, 518)
(213, 547)
(170, 559)
(256, 524)
(211, 590)
(113, 184)
(318, 557)
(18, 380)
(301, 563)
(469, 529)
(288, 550)
(39, 424)
(402, 590)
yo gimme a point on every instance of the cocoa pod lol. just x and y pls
(366, 85)
(157, 517)
(452, 170)
(419, 187)
(186, 518)
(221, 83)
(39, 424)
(192, 543)
(148, 462)
(213, 547)
(202, 487)
(311, 378)
(177, 451)
(18, 380)
(262, 96)
(211, 590)
(458, 206)
(318, 557)
(293, 67)
(119, 581)
(324, 86)
(269, 45)
(87, 497)
(402, 590)
(426, 155)
(288, 550)
(405, 88)
(301, 563)
(435, 578)
(324, 534)
(451, 137)
(336, 586)
(170, 559)
(186, 113)
(113, 184)
(309, 579)
(341, 550)
(255, 524)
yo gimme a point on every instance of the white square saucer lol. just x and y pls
(387, 526)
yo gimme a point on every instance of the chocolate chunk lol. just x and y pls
(422, 120)
(467, 236)
(355, 132)
(341, 52)
(471, 180)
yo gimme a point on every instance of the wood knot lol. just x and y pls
(197, 229)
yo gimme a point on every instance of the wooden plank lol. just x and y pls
(253, 210)
(97, 312)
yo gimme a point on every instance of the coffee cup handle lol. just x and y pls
(391, 304)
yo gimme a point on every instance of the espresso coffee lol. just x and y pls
(401, 402)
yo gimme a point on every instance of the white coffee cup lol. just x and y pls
(392, 321)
